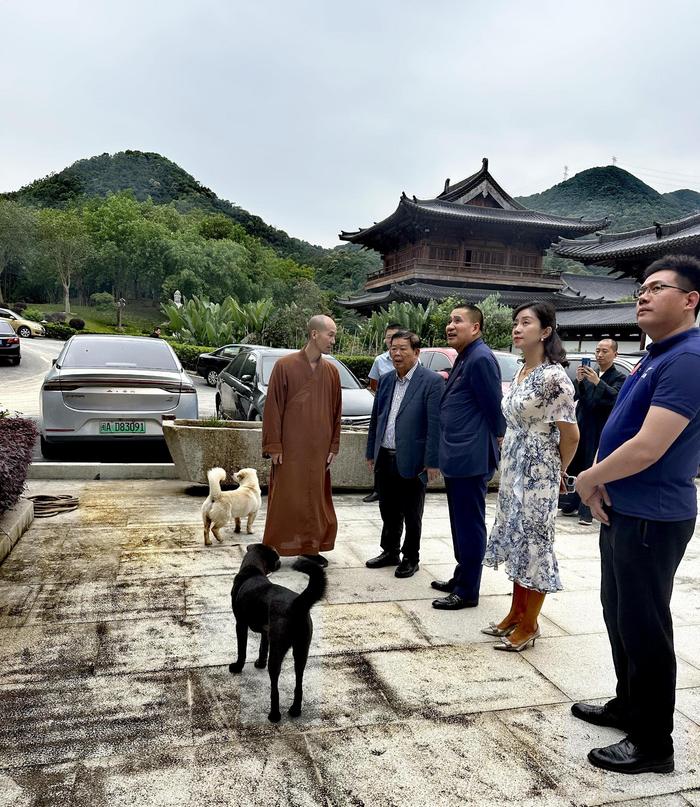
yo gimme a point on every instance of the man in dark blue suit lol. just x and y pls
(402, 449)
(471, 423)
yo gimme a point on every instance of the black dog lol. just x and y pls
(280, 615)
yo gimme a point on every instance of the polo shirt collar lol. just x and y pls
(656, 348)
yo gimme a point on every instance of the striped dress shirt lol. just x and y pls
(389, 439)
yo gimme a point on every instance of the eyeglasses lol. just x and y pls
(655, 288)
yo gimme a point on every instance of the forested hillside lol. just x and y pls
(137, 225)
(611, 191)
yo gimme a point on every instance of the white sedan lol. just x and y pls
(113, 388)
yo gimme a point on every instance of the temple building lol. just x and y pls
(628, 253)
(471, 240)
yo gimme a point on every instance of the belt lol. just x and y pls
(391, 451)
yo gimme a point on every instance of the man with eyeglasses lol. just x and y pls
(642, 490)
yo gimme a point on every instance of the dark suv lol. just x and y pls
(209, 365)
(242, 388)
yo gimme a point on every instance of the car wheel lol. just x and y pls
(257, 417)
(212, 376)
(24, 332)
(49, 451)
(219, 413)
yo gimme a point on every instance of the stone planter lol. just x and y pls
(232, 445)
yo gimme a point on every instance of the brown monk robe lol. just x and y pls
(301, 421)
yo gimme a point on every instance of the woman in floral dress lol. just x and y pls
(539, 443)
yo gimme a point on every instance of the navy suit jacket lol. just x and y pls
(417, 421)
(471, 420)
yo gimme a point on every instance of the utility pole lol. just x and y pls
(566, 172)
(614, 160)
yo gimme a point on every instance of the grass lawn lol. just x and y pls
(139, 317)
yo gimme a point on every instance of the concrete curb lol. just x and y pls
(102, 470)
(13, 524)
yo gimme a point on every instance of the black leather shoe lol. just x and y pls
(383, 559)
(627, 757)
(319, 560)
(453, 602)
(406, 568)
(443, 585)
(598, 715)
(371, 497)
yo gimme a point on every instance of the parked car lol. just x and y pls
(109, 388)
(9, 343)
(242, 388)
(23, 327)
(209, 365)
(441, 359)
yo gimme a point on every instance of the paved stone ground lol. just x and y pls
(116, 633)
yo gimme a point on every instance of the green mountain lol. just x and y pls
(611, 191)
(149, 174)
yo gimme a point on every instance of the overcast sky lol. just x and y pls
(316, 115)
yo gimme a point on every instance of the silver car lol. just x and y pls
(109, 388)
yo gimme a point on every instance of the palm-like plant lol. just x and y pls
(201, 322)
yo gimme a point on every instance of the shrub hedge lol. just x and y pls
(17, 438)
(360, 365)
(56, 330)
(33, 314)
(188, 354)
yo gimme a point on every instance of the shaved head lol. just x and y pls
(320, 322)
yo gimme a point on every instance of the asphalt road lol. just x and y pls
(20, 389)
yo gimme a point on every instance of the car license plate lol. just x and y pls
(122, 427)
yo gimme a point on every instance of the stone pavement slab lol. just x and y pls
(561, 741)
(116, 635)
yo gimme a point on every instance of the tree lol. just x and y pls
(498, 322)
(17, 227)
(64, 245)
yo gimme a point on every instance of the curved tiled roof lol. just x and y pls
(423, 292)
(605, 248)
(446, 206)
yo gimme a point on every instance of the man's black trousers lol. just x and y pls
(466, 503)
(639, 559)
(401, 503)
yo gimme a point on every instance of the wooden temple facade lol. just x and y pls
(472, 235)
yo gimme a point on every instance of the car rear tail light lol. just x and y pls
(13, 340)
(54, 385)
(187, 388)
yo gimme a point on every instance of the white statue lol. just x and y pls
(177, 298)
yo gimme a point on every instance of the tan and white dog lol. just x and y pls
(221, 506)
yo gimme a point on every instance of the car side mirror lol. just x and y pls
(247, 378)
(53, 362)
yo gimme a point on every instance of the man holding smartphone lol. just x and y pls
(596, 393)
(642, 488)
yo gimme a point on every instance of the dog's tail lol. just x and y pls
(215, 476)
(315, 589)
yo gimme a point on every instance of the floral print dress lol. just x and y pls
(523, 534)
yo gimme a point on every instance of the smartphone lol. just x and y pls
(570, 483)
(585, 362)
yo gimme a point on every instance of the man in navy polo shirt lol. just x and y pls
(642, 489)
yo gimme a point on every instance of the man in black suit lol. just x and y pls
(402, 449)
(596, 393)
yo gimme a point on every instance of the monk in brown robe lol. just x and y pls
(301, 435)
